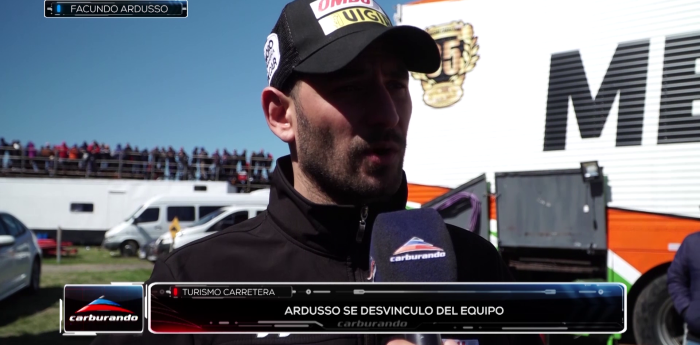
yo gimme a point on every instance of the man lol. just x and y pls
(3, 147)
(338, 97)
(684, 285)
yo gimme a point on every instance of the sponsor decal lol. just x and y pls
(356, 15)
(325, 7)
(425, 251)
(272, 56)
(458, 48)
(103, 308)
(624, 86)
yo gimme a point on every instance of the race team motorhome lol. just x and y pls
(86, 208)
(576, 127)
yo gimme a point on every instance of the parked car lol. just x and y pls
(217, 221)
(148, 251)
(153, 219)
(158, 248)
(209, 224)
(20, 257)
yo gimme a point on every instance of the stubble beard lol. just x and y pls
(341, 174)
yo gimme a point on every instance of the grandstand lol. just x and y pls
(100, 161)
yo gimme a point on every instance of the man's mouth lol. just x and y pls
(383, 154)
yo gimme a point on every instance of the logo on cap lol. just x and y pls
(337, 14)
(415, 244)
(272, 56)
(458, 49)
(324, 7)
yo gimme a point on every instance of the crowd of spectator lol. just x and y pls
(101, 160)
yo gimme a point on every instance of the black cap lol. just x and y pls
(323, 36)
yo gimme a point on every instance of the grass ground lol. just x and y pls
(92, 255)
(34, 319)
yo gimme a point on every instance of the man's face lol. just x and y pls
(352, 125)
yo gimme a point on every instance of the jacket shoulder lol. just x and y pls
(693, 238)
(478, 260)
(462, 238)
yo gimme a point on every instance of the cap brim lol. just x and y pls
(414, 46)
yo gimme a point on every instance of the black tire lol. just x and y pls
(35, 278)
(656, 321)
(129, 248)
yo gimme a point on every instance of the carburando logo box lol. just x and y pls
(103, 308)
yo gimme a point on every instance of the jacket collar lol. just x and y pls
(329, 230)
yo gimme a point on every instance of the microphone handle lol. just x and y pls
(424, 339)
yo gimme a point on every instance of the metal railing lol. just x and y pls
(248, 174)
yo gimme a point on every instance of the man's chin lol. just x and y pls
(384, 181)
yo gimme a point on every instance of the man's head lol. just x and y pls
(338, 95)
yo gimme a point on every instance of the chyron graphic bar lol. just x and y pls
(449, 308)
(115, 9)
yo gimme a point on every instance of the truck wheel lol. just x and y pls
(656, 321)
(129, 248)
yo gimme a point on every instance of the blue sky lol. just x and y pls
(181, 82)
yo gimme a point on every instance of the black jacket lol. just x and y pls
(684, 283)
(298, 241)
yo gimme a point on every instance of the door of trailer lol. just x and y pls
(116, 207)
(552, 225)
(465, 206)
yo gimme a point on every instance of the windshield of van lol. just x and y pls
(135, 214)
(208, 217)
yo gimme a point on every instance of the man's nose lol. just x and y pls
(382, 110)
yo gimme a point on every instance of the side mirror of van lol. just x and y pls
(6, 240)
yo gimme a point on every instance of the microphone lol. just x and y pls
(412, 246)
(424, 339)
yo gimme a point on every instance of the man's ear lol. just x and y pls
(278, 109)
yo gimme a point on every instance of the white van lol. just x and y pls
(213, 222)
(153, 219)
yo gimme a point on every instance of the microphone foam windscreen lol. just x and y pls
(412, 246)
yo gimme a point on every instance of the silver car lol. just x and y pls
(20, 257)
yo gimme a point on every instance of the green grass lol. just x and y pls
(33, 319)
(93, 255)
(60, 279)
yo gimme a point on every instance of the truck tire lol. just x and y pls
(656, 321)
(129, 248)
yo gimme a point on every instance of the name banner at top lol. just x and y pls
(115, 9)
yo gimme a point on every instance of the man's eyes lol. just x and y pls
(348, 88)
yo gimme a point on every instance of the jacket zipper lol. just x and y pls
(363, 223)
(366, 339)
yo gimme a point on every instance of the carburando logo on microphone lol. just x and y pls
(103, 308)
(417, 249)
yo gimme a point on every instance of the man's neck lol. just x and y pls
(308, 189)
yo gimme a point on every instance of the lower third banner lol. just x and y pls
(456, 308)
